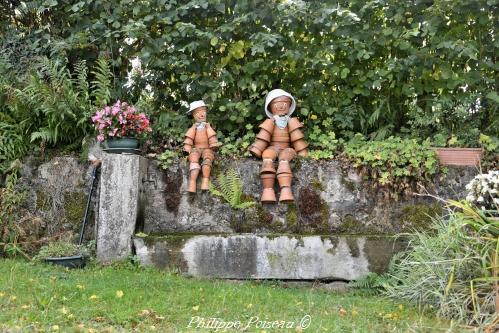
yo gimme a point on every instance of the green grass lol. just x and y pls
(124, 298)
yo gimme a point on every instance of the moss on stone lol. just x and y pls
(292, 217)
(418, 217)
(317, 185)
(43, 201)
(74, 207)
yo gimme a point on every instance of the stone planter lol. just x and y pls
(459, 156)
(122, 143)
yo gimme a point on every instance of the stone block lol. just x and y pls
(287, 257)
(120, 204)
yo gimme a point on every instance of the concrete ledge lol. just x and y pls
(250, 256)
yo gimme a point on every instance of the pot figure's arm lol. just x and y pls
(189, 138)
(297, 137)
(262, 138)
(212, 137)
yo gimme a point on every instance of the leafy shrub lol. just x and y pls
(380, 68)
(452, 268)
(230, 187)
(394, 163)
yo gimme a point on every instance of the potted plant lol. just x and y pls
(64, 253)
(119, 126)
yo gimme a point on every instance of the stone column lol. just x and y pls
(120, 204)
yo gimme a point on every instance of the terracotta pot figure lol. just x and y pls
(200, 143)
(280, 138)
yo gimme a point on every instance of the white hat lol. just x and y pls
(278, 93)
(194, 105)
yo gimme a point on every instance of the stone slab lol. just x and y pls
(120, 201)
(287, 257)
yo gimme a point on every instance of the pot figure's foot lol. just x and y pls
(205, 184)
(268, 195)
(286, 195)
(192, 186)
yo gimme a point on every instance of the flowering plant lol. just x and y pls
(120, 120)
(483, 191)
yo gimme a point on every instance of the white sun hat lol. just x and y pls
(194, 105)
(278, 93)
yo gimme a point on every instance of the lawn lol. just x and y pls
(124, 298)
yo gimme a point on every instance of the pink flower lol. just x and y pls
(100, 137)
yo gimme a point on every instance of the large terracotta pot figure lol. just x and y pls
(200, 142)
(280, 138)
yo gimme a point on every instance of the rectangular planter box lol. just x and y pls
(459, 156)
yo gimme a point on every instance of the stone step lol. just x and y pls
(276, 256)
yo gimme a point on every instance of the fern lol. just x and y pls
(371, 282)
(102, 83)
(230, 188)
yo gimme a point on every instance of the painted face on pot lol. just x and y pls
(199, 114)
(280, 106)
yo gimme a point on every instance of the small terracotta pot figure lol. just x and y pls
(200, 142)
(280, 138)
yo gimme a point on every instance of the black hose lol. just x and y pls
(94, 177)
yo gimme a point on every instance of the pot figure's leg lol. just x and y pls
(208, 157)
(284, 174)
(267, 175)
(194, 168)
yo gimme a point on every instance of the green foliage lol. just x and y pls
(322, 140)
(380, 68)
(167, 158)
(396, 163)
(236, 145)
(51, 107)
(10, 200)
(19, 230)
(230, 187)
(451, 268)
(371, 282)
(63, 249)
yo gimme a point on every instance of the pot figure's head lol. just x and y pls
(198, 110)
(279, 103)
(280, 106)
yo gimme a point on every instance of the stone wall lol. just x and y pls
(328, 200)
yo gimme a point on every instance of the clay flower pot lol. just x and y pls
(459, 156)
(268, 195)
(268, 180)
(300, 145)
(268, 167)
(264, 135)
(296, 135)
(267, 125)
(287, 155)
(286, 195)
(294, 123)
(285, 179)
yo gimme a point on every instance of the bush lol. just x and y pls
(451, 268)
